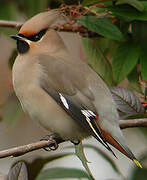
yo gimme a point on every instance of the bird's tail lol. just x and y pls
(120, 145)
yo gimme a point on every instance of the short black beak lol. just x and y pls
(22, 43)
(15, 36)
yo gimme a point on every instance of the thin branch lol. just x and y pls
(61, 27)
(21, 150)
(70, 28)
(133, 123)
(64, 27)
(12, 24)
(54, 139)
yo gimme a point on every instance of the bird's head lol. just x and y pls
(34, 33)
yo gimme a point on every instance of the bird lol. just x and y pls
(63, 94)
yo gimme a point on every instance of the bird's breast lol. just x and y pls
(39, 105)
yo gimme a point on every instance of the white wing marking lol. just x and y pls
(88, 114)
(64, 101)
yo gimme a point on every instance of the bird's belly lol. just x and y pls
(41, 107)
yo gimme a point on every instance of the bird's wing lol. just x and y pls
(75, 100)
(85, 97)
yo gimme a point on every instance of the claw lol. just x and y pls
(51, 137)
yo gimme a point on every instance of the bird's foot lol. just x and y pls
(76, 142)
(55, 139)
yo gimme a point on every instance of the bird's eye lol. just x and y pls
(37, 36)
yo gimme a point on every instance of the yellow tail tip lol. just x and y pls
(137, 163)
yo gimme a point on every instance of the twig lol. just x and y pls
(70, 28)
(61, 27)
(13, 24)
(21, 150)
(64, 27)
(133, 123)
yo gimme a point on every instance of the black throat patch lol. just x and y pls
(22, 46)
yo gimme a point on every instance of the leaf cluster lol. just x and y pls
(121, 49)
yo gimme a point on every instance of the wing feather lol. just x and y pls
(71, 93)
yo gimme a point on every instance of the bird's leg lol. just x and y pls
(55, 138)
(76, 142)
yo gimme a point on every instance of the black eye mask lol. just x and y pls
(35, 37)
(23, 46)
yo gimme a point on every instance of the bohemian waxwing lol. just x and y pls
(63, 94)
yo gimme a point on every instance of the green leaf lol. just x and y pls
(139, 33)
(105, 156)
(102, 26)
(79, 151)
(93, 2)
(124, 60)
(88, 2)
(133, 78)
(139, 29)
(140, 173)
(95, 49)
(143, 64)
(128, 12)
(144, 3)
(38, 163)
(58, 173)
(136, 4)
